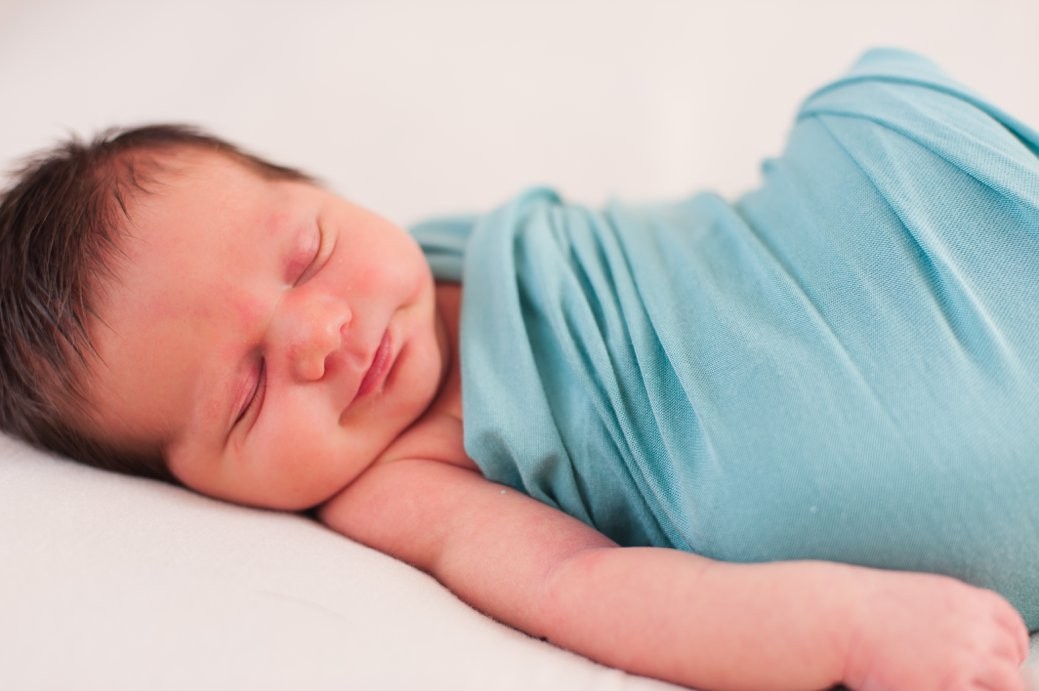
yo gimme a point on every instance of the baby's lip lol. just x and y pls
(382, 360)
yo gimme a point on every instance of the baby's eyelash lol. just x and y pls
(256, 397)
(314, 257)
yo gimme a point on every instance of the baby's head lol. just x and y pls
(176, 308)
(60, 228)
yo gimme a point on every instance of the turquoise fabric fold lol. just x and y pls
(841, 364)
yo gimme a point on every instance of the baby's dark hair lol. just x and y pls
(59, 232)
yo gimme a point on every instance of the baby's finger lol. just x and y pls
(1000, 678)
(1006, 648)
(1010, 619)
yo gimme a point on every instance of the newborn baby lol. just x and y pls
(807, 416)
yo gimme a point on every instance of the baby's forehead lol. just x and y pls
(181, 177)
(149, 170)
(137, 178)
(186, 156)
(156, 189)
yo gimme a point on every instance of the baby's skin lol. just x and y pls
(284, 348)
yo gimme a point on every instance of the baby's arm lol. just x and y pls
(677, 616)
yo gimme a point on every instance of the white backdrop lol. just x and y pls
(413, 108)
(423, 107)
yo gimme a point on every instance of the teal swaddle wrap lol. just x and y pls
(842, 364)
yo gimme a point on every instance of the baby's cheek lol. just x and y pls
(299, 440)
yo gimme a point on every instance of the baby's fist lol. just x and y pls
(921, 632)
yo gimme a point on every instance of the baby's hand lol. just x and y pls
(920, 632)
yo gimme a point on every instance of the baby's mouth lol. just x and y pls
(381, 362)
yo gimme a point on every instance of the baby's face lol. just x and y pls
(269, 337)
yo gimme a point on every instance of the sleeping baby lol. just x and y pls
(784, 442)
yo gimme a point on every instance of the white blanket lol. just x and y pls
(112, 582)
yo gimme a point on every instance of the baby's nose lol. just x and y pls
(310, 332)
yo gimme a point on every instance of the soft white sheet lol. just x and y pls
(117, 583)
(412, 108)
